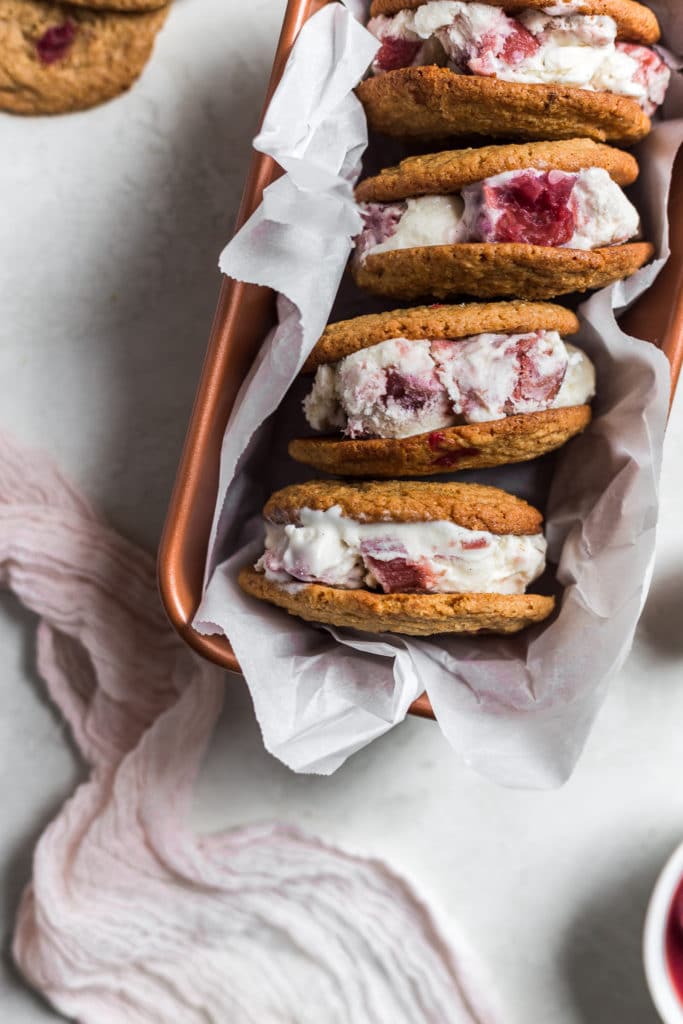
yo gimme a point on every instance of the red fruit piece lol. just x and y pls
(436, 439)
(653, 73)
(519, 45)
(396, 53)
(453, 458)
(474, 545)
(532, 384)
(534, 209)
(55, 42)
(411, 392)
(436, 442)
(400, 576)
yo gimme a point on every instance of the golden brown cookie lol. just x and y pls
(433, 102)
(471, 506)
(448, 172)
(121, 5)
(438, 322)
(410, 614)
(487, 270)
(56, 58)
(472, 446)
(635, 23)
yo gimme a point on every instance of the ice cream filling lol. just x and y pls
(401, 388)
(425, 557)
(583, 210)
(557, 45)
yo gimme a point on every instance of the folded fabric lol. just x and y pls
(130, 916)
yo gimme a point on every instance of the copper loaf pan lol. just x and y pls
(244, 315)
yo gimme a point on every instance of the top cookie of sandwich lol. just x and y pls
(471, 506)
(449, 171)
(635, 23)
(438, 323)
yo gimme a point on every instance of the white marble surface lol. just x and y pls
(111, 226)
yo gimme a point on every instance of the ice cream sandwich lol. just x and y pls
(532, 220)
(415, 558)
(417, 392)
(402, 557)
(515, 68)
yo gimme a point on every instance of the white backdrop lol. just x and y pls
(108, 289)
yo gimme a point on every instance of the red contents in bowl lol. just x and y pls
(396, 53)
(56, 42)
(533, 208)
(674, 942)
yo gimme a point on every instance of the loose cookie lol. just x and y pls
(57, 58)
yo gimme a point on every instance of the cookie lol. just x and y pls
(409, 614)
(435, 322)
(471, 506)
(472, 446)
(635, 23)
(434, 103)
(450, 171)
(56, 58)
(121, 5)
(487, 270)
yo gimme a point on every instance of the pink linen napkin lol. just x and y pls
(130, 916)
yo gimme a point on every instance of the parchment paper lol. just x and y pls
(516, 709)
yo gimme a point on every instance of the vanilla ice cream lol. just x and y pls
(428, 557)
(583, 210)
(400, 388)
(556, 46)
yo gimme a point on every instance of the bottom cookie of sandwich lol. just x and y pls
(410, 614)
(471, 446)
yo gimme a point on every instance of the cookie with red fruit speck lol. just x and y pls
(56, 58)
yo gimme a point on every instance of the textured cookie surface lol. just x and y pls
(438, 322)
(490, 270)
(443, 173)
(56, 58)
(634, 21)
(469, 505)
(411, 614)
(433, 102)
(473, 446)
(121, 5)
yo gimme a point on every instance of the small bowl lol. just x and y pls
(664, 995)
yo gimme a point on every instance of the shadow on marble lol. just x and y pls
(15, 877)
(660, 626)
(601, 957)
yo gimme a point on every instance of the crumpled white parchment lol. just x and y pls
(516, 709)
